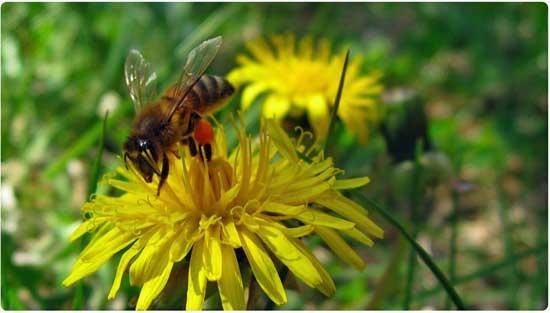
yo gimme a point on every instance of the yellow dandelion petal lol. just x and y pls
(351, 183)
(85, 227)
(263, 267)
(305, 48)
(260, 50)
(281, 141)
(153, 287)
(252, 92)
(284, 45)
(359, 236)
(231, 234)
(230, 284)
(340, 247)
(297, 232)
(212, 255)
(275, 106)
(316, 217)
(152, 260)
(327, 287)
(283, 209)
(124, 261)
(97, 253)
(196, 286)
(291, 256)
(324, 50)
(318, 114)
(350, 210)
(305, 194)
(186, 238)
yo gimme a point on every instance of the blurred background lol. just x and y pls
(469, 81)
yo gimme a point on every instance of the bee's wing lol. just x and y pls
(197, 62)
(140, 79)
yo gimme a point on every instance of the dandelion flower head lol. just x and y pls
(304, 79)
(258, 201)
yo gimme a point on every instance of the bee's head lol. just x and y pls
(143, 153)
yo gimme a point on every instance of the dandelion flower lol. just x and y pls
(305, 80)
(260, 200)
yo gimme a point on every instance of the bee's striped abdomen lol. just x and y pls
(209, 93)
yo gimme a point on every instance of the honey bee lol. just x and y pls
(175, 117)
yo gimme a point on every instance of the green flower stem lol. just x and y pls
(421, 252)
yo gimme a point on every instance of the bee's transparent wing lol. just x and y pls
(140, 79)
(197, 62)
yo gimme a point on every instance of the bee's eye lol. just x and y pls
(143, 145)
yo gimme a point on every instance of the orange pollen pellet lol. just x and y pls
(204, 133)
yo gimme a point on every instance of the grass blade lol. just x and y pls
(336, 103)
(96, 169)
(421, 252)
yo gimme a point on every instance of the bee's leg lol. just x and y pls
(191, 121)
(185, 142)
(163, 173)
(195, 117)
(207, 149)
(192, 146)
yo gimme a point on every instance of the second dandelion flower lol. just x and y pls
(302, 80)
